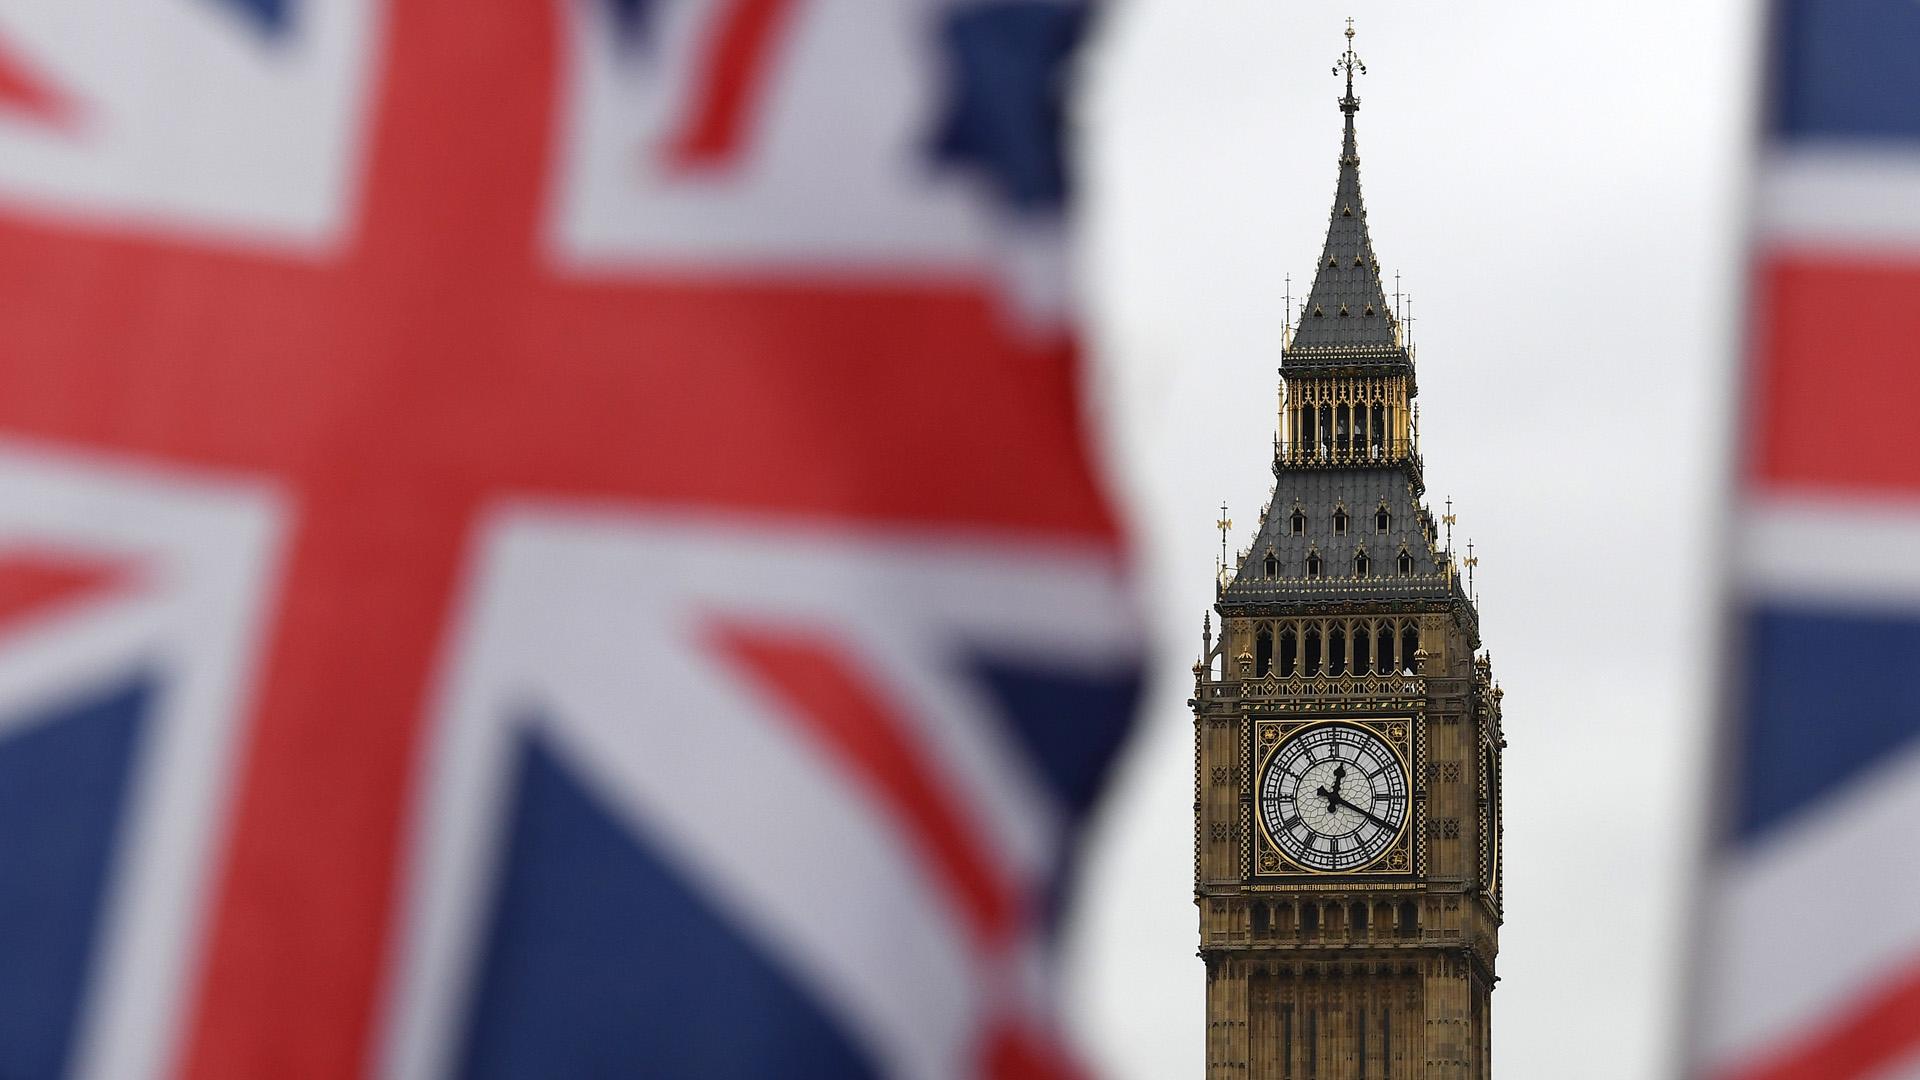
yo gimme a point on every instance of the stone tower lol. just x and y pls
(1347, 729)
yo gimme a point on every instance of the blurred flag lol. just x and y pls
(542, 538)
(1810, 918)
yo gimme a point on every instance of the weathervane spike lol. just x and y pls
(1348, 63)
(1286, 329)
(1223, 525)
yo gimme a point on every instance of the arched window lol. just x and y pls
(1260, 919)
(1326, 427)
(1382, 521)
(1409, 919)
(1263, 651)
(1289, 653)
(1313, 651)
(1299, 522)
(1362, 651)
(1337, 651)
(1309, 919)
(1357, 920)
(1343, 431)
(1406, 564)
(1313, 564)
(1362, 566)
(1379, 426)
(1272, 564)
(1340, 522)
(1384, 640)
(1409, 644)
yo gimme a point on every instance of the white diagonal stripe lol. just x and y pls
(1815, 913)
(591, 616)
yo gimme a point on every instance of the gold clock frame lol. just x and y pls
(1268, 863)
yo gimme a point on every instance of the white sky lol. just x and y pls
(1560, 186)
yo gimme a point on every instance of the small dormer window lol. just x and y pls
(1317, 313)
(1313, 564)
(1406, 565)
(1362, 566)
(1339, 523)
(1344, 312)
(1299, 522)
(1272, 565)
(1382, 521)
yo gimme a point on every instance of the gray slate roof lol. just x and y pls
(1318, 492)
(1347, 309)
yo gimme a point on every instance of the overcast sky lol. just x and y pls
(1559, 186)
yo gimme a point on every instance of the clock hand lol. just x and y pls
(1331, 797)
(1375, 818)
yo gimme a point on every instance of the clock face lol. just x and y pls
(1334, 797)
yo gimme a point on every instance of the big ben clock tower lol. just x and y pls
(1347, 727)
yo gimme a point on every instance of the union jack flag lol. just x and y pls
(1810, 915)
(542, 538)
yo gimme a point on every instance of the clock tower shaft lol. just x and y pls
(1356, 941)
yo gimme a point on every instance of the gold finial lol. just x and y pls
(1348, 63)
(1223, 525)
(1447, 519)
(1470, 562)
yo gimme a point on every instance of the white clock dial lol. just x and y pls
(1334, 797)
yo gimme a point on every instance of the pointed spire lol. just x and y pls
(1347, 308)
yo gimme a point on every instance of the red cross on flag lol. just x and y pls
(542, 538)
